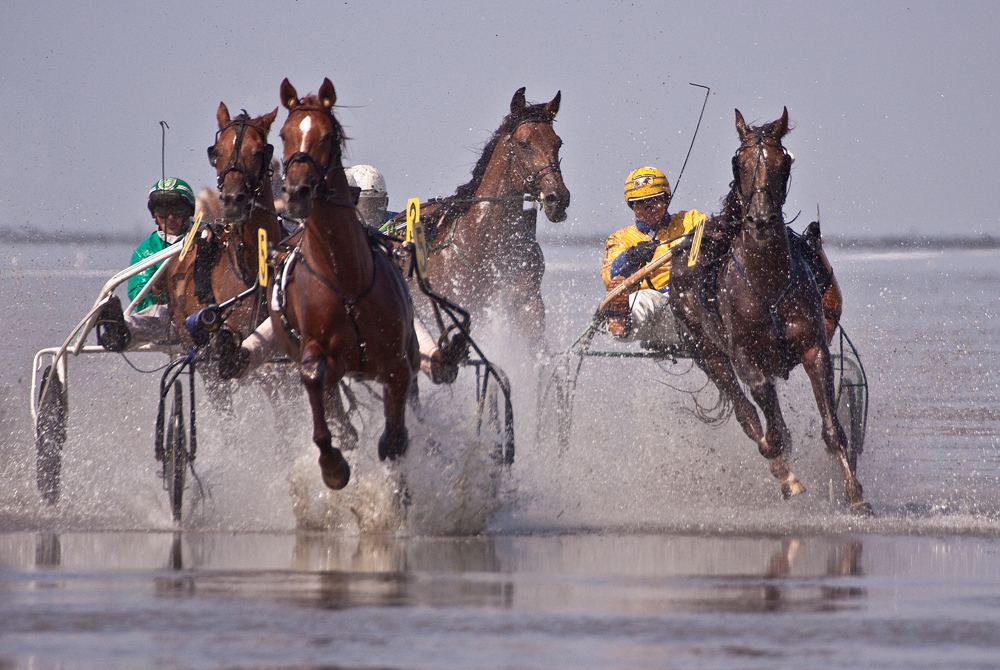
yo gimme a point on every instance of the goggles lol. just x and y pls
(165, 211)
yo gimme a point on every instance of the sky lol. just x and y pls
(894, 104)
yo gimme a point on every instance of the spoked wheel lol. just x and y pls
(852, 405)
(852, 397)
(488, 399)
(50, 434)
(555, 403)
(175, 451)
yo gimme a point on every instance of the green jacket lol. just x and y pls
(151, 245)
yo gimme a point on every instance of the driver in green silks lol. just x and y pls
(171, 204)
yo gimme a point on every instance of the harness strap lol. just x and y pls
(350, 306)
(773, 307)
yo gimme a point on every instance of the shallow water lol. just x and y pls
(654, 541)
(577, 601)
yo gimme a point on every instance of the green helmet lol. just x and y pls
(170, 191)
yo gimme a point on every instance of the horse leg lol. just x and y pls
(776, 437)
(334, 404)
(819, 367)
(313, 372)
(525, 299)
(395, 438)
(718, 368)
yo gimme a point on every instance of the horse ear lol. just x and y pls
(741, 125)
(266, 120)
(327, 94)
(222, 115)
(783, 123)
(289, 98)
(517, 103)
(552, 108)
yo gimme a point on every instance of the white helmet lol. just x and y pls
(367, 178)
(372, 199)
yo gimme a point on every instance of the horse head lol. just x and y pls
(761, 168)
(313, 139)
(241, 157)
(533, 151)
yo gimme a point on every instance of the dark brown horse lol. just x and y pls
(769, 315)
(223, 263)
(342, 302)
(483, 248)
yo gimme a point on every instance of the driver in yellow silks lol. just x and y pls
(644, 315)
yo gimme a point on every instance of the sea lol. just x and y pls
(647, 539)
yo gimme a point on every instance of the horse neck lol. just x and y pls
(336, 245)
(767, 263)
(498, 183)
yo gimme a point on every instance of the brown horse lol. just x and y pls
(224, 261)
(342, 301)
(483, 247)
(769, 315)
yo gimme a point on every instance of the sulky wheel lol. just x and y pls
(175, 451)
(852, 401)
(50, 434)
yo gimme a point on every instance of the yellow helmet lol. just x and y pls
(646, 182)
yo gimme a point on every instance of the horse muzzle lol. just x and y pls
(299, 199)
(555, 204)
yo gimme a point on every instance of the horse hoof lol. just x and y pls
(862, 509)
(335, 474)
(392, 445)
(791, 487)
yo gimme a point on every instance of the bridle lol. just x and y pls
(529, 183)
(323, 171)
(253, 182)
(759, 143)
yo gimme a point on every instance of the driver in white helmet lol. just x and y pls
(372, 200)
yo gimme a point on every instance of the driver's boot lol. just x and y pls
(112, 332)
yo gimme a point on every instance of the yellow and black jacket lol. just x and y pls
(617, 265)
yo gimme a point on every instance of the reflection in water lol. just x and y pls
(48, 551)
(308, 600)
(175, 585)
(629, 574)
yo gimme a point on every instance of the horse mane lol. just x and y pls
(458, 204)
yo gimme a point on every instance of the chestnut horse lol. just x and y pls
(483, 247)
(342, 303)
(769, 316)
(224, 261)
